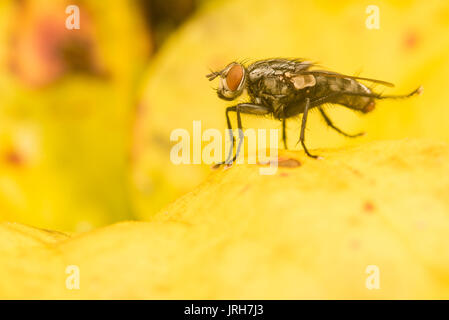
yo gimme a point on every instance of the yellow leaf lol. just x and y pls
(312, 230)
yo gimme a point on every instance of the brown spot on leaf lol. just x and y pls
(14, 158)
(289, 163)
(354, 244)
(283, 162)
(411, 40)
(369, 207)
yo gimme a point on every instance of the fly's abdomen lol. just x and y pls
(342, 87)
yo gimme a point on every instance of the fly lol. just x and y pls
(285, 88)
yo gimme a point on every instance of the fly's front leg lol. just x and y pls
(231, 134)
(330, 124)
(241, 135)
(303, 129)
(247, 108)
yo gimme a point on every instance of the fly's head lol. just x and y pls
(232, 81)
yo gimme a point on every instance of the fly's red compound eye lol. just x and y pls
(234, 77)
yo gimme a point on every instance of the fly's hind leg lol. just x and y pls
(303, 129)
(418, 90)
(331, 124)
(247, 108)
(284, 134)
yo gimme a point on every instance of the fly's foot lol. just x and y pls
(219, 164)
(307, 151)
(216, 166)
(356, 135)
(313, 156)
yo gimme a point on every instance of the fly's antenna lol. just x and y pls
(211, 76)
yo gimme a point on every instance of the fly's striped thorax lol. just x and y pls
(336, 87)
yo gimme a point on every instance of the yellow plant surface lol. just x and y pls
(312, 230)
(410, 48)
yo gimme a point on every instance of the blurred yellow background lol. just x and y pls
(67, 106)
(86, 114)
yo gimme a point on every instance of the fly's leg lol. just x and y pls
(241, 136)
(231, 135)
(284, 134)
(303, 129)
(331, 124)
(418, 90)
(247, 108)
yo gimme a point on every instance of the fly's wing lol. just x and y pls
(345, 90)
(339, 75)
(350, 93)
